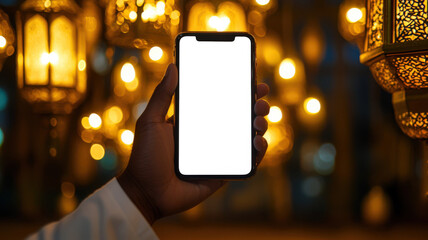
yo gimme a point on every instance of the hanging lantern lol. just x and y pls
(51, 64)
(7, 38)
(221, 16)
(395, 48)
(141, 24)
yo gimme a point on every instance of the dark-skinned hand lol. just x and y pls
(149, 179)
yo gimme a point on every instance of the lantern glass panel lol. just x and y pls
(36, 68)
(227, 16)
(63, 69)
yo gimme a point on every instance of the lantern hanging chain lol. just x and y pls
(53, 137)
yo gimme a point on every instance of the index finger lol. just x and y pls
(262, 90)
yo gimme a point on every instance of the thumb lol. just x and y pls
(161, 98)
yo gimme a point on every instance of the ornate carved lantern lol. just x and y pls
(51, 64)
(395, 48)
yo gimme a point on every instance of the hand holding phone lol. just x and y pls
(149, 179)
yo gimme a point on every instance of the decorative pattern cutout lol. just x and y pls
(411, 20)
(412, 70)
(375, 25)
(414, 124)
(384, 77)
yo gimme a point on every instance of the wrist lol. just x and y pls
(138, 196)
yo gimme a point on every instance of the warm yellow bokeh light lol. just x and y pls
(268, 137)
(82, 65)
(155, 53)
(219, 23)
(127, 137)
(85, 123)
(133, 16)
(97, 151)
(132, 86)
(262, 2)
(354, 15)
(127, 73)
(149, 13)
(275, 114)
(175, 15)
(49, 58)
(287, 68)
(115, 114)
(68, 189)
(160, 8)
(271, 55)
(312, 105)
(95, 121)
(2, 42)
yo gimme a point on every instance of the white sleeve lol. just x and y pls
(106, 214)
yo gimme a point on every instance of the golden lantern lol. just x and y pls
(141, 23)
(217, 16)
(51, 64)
(395, 47)
(7, 38)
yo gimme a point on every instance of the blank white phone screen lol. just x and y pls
(214, 107)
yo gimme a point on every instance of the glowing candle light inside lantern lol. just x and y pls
(49, 58)
(219, 23)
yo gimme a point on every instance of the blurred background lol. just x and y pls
(75, 76)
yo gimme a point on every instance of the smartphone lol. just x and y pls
(214, 105)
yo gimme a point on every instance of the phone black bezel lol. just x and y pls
(215, 36)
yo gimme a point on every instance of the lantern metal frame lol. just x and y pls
(387, 58)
